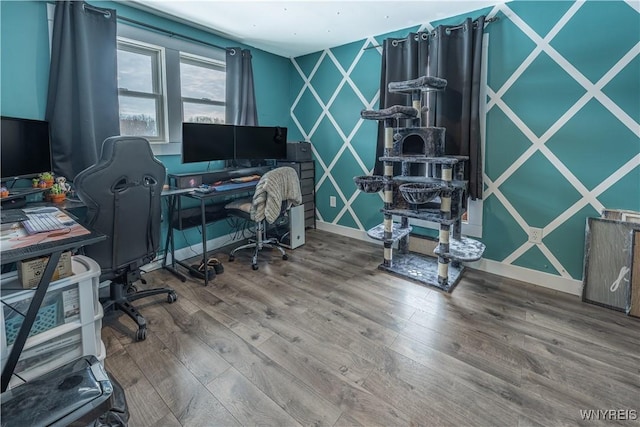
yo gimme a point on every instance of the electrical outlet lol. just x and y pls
(332, 201)
(535, 235)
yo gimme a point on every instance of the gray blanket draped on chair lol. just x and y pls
(276, 186)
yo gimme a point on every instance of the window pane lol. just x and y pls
(138, 117)
(201, 113)
(135, 71)
(201, 82)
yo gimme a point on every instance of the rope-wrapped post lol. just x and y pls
(443, 263)
(388, 254)
(445, 196)
(388, 192)
(445, 210)
(388, 166)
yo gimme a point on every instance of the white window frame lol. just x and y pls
(158, 85)
(200, 61)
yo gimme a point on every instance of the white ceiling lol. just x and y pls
(295, 28)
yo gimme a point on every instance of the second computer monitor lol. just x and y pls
(261, 142)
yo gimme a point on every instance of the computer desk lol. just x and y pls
(52, 245)
(174, 205)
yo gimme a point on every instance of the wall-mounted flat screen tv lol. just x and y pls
(25, 148)
(261, 142)
(206, 142)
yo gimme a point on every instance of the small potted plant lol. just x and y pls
(56, 194)
(4, 192)
(45, 180)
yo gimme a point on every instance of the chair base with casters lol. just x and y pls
(261, 241)
(122, 292)
(275, 193)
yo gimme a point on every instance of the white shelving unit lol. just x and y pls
(68, 324)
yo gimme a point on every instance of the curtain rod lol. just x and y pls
(425, 35)
(107, 14)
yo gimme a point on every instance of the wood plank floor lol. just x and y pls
(327, 339)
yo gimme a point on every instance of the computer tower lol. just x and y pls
(289, 228)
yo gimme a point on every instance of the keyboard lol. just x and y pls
(235, 186)
(41, 222)
(9, 216)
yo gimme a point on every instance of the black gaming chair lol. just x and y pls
(122, 193)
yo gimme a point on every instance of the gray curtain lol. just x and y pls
(402, 59)
(241, 98)
(453, 53)
(82, 103)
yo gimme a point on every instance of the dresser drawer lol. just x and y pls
(306, 166)
(310, 206)
(309, 173)
(309, 213)
(307, 186)
(308, 197)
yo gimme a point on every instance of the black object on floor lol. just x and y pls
(198, 271)
(216, 264)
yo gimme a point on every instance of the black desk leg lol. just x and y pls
(170, 242)
(32, 312)
(204, 242)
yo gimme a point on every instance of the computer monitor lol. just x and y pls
(205, 142)
(261, 142)
(25, 148)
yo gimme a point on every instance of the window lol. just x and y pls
(202, 85)
(164, 81)
(141, 90)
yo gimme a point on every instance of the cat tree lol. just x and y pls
(437, 196)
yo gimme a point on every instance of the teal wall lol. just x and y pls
(24, 60)
(24, 74)
(562, 126)
(563, 107)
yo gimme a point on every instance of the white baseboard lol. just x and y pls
(345, 231)
(538, 278)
